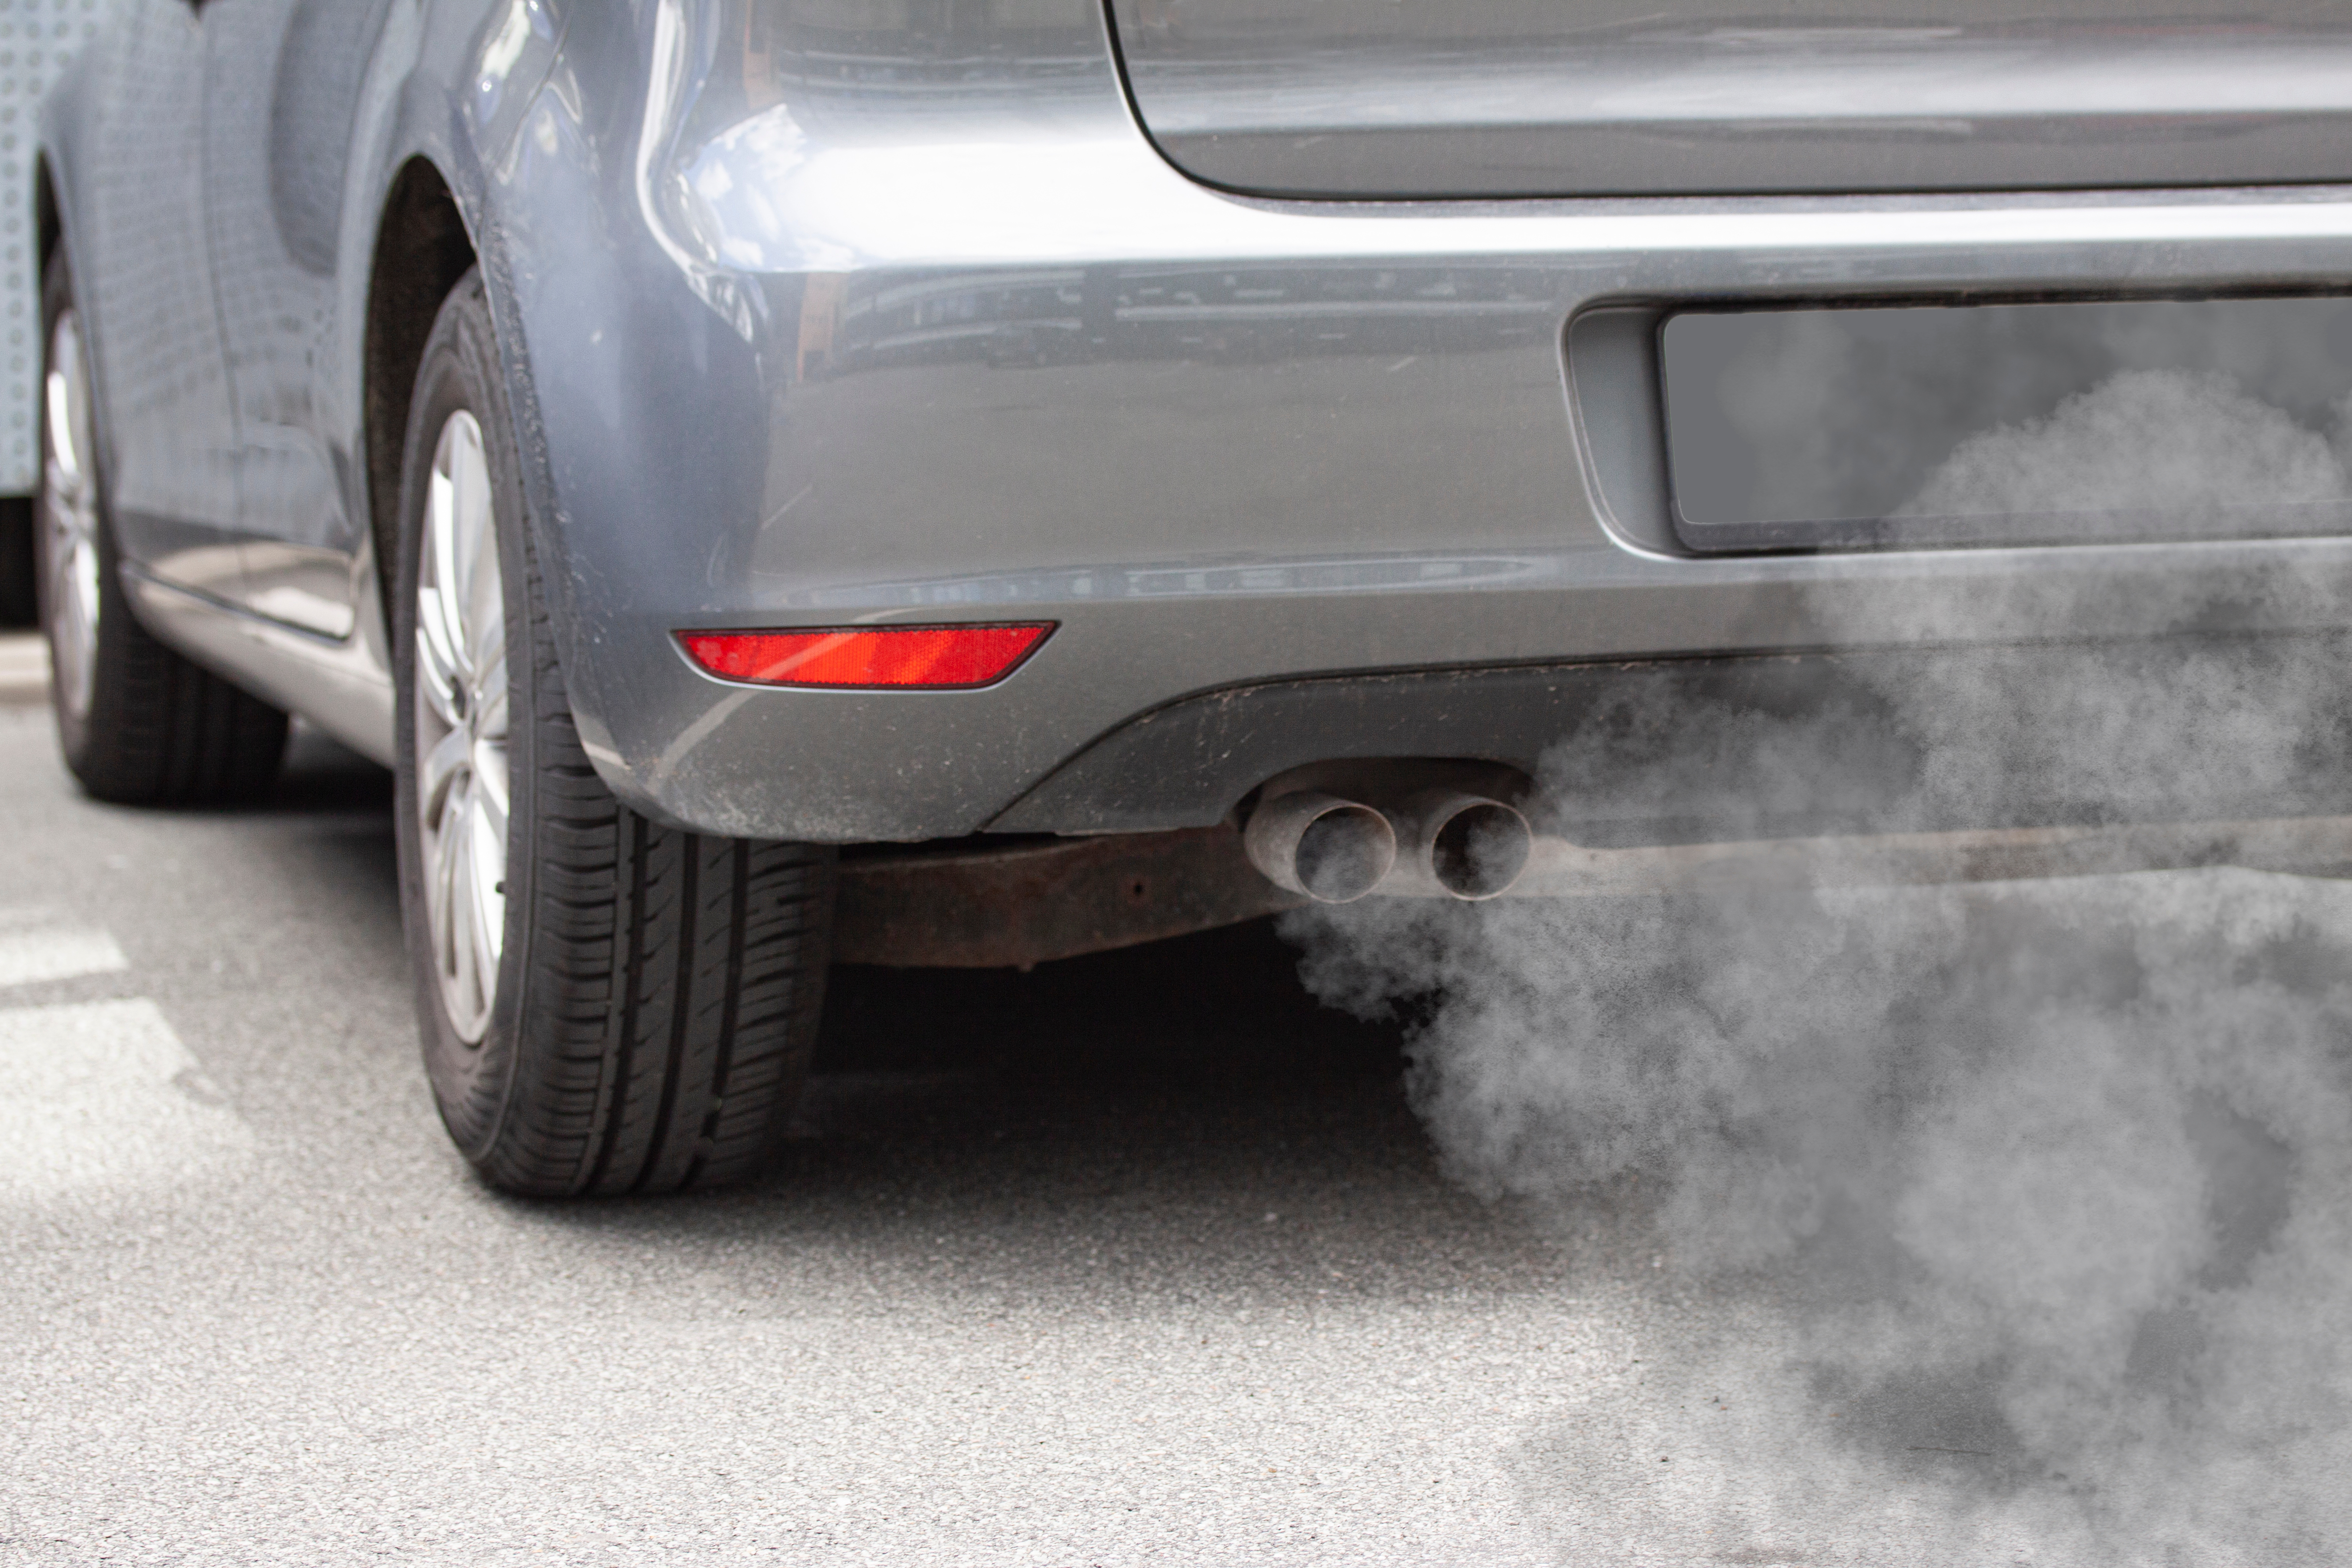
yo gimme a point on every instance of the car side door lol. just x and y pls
(281, 93)
(144, 279)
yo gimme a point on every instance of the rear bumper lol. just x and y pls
(1882, 740)
(1015, 367)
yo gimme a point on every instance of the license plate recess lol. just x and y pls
(1857, 427)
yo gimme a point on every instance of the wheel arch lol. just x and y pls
(61, 156)
(46, 226)
(422, 249)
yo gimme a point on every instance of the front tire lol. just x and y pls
(608, 1004)
(138, 724)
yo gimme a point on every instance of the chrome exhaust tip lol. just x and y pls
(1464, 846)
(1333, 850)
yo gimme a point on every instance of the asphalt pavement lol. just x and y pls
(1141, 1258)
(23, 669)
(1132, 1259)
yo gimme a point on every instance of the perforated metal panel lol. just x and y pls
(38, 37)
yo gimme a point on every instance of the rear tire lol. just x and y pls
(138, 724)
(642, 1019)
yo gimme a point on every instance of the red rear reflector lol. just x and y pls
(867, 656)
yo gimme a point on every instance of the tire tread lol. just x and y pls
(665, 985)
(676, 975)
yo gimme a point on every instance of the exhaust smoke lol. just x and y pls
(2022, 1209)
(2007, 1224)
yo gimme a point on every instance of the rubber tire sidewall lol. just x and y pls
(76, 736)
(472, 1084)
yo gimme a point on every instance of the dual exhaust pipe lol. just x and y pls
(1439, 843)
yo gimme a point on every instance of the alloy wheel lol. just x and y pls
(461, 727)
(69, 512)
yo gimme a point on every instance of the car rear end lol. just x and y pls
(1689, 431)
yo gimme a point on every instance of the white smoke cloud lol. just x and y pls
(2188, 445)
(2042, 1192)
(2026, 1209)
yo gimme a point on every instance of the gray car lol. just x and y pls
(977, 482)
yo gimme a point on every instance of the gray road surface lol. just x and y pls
(1139, 1259)
(1134, 1260)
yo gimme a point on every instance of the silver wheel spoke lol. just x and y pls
(437, 882)
(437, 681)
(59, 386)
(441, 563)
(459, 960)
(451, 756)
(461, 718)
(485, 906)
(475, 589)
(488, 659)
(490, 787)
